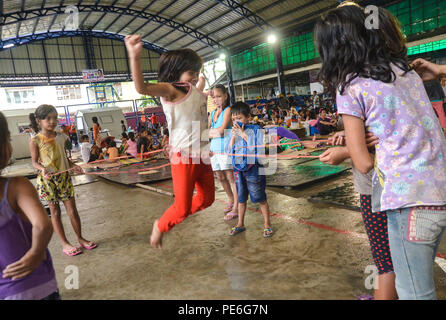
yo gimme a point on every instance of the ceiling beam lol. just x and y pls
(164, 9)
(145, 23)
(302, 7)
(134, 18)
(245, 13)
(114, 20)
(175, 16)
(58, 34)
(201, 26)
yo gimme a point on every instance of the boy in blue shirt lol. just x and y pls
(248, 176)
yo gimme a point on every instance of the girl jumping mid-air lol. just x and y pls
(185, 107)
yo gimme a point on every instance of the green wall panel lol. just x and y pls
(415, 16)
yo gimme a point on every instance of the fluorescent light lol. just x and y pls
(10, 45)
(272, 38)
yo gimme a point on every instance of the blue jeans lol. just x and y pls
(414, 236)
(250, 183)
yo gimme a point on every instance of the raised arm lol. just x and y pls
(201, 83)
(134, 47)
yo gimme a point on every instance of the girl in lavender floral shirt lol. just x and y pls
(378, 92)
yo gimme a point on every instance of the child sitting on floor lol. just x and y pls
(155, 140)
(95, 154)
(124, 145)
(131, 145)
(165, 140)
(112, 151)
(144, 144)
(248, 177)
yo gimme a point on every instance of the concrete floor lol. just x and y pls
(200, 260)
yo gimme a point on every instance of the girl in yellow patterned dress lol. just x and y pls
(49, 157)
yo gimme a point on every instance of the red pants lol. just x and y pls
(185, 178)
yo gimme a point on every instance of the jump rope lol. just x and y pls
(141, 155)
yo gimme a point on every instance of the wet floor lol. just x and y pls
(317, 251)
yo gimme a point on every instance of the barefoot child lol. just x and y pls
(48, 156)
(186, 114)
(247, 175)
(26, 267)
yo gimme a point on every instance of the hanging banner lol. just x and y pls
(93, 75)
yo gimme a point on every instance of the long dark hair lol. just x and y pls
(4, 142)
(132, 136)
(41, 113)
(173, 63)
(223, 89)
(349, 50)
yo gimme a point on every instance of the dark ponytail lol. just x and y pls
(5, 151)
(41, 113)
(34, 125)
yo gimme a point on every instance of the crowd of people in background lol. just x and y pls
(149, 136)
(316, 113)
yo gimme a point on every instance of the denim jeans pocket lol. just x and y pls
(425, 224)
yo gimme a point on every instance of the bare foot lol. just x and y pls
(87, 244)
(156, 237)
(68, 247)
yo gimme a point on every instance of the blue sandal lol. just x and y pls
(268, 232)
(236, 230)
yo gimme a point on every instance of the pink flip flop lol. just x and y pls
(230, 216)
(90, 247)
(228, 208)
(72, 252)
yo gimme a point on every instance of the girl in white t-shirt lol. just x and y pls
(186, 113)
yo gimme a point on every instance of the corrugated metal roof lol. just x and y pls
(193, 23)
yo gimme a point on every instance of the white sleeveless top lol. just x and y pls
(187, 120)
